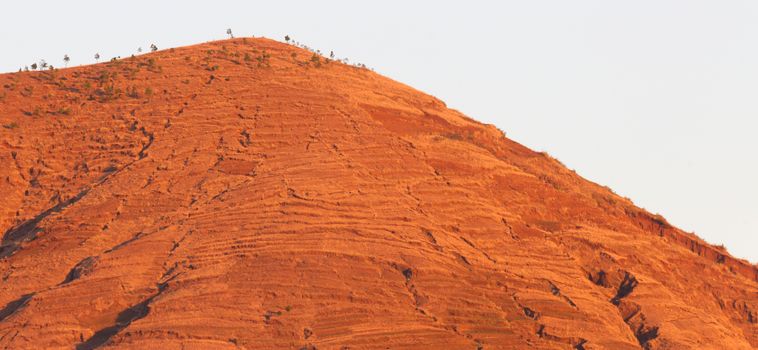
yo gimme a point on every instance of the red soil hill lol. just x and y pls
(247, 194)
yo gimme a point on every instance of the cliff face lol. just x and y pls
(244, 194)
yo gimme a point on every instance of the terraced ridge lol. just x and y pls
(237, 194)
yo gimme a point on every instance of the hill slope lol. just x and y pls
(239, 194)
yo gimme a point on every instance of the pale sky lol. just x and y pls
(657, 99)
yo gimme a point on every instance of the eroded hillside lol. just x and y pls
(248, 194)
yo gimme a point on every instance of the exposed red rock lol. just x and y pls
(239, 194)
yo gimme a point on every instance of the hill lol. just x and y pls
(250, 194)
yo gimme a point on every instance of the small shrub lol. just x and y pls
(454, 136)
(132, 92)
(316, 60)
(11, 125)
(103, 77)
(27, 91)
(35, 112)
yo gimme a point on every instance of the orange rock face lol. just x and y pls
(247, 194)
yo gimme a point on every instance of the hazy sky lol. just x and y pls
(656, 99)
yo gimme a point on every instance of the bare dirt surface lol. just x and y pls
(240, 194)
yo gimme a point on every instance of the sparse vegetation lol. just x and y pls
(318, 61)
(66, 59)
(97, 57)
(152, 66)
(103, 77)
(110, 92)
(63, 111)
(454, 136)
(229, 33)
(287, 38)
(153, 48)
(264, 59)
(660, 220)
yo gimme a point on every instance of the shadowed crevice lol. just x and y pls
(625, 288)
(28, 230)
(123, 320)
(83, 268)
(14, 306)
